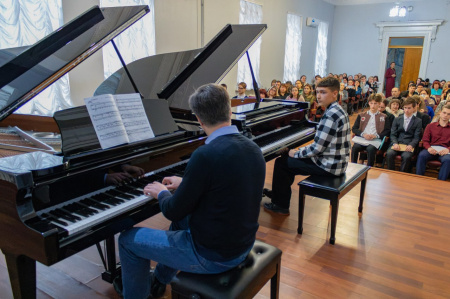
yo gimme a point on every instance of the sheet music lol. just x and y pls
(106, 119)
(361, 140)
(133, 117)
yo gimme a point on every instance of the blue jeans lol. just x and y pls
(425, 156)
(173, 250)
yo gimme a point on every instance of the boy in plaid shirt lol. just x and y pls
(328, 155)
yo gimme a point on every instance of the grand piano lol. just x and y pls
(55, 204)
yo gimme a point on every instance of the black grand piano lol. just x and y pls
(53, 205)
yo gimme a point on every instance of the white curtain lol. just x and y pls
(24, 22)
(250, 13)
(134, 43)
(292, 49)
(321, 50)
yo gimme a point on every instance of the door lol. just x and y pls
(411, 66)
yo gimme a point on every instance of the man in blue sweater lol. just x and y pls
(214, 209)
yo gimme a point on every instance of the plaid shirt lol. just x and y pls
(331, 148)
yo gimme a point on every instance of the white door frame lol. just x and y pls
(427, 29)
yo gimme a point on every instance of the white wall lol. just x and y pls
(355, 47)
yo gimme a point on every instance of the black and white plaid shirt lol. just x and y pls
(331, 148)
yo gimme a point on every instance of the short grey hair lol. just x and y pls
(211, 104)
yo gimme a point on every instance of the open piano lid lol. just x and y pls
(175, 76)
(24, 76)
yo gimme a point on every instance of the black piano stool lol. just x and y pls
(244, 281)
(333, 189)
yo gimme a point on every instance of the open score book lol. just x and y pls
(118, 119)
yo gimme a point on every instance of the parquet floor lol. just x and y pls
(397, 248)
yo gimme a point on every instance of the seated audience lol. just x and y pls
(410, 92)
(272, 93)
(394, 108)
(395, 94)
(382, 109)
(443, 84)
(436, 144)
(295, 95)
(343, 97)
(327, 156)
(299, 85)
(241, 91)
(426, 102)
(263, 93)
(351, 96)
(405, 131)
(436, 89)
(308, 95)
(426, 119)
(370, 125)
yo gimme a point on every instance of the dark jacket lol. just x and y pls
(382, 124)
(409, 137)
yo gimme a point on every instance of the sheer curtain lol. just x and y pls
(250, 13)
(321, 50)
(134, 43)
(292, 49)
(24, 22)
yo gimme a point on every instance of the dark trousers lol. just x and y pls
(371, 153)
(405, 166)
(425, 156)
(285, 170)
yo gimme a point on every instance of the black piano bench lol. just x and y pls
(333, 189)
(244, 281)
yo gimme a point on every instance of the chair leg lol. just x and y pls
(334, 214)
(301, 210)
(275, 283)
(361, 195)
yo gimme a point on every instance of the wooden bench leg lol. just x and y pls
(301, 210)
(275, 283)
(361, 195)
(334, 213)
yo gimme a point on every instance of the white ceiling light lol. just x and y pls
(398, 11)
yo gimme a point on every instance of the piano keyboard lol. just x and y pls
(283, 137)
(84, 212)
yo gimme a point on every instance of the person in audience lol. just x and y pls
(341, 77)
(405, 131)
(390, 79)
(350, 77)
(419, 80)
(426, 119)
(376, 81)
(273, 83)
(429, 102)
(356, 78)
(303, 79)
(343, 97)
(344, 75)
(422, 105)
(278, 85)
(214, 209)
(299, 86)
(426, 83)
(444, 100)
(345, 81)
(282, 92)
(351, 96)
(436, 88)
(317, 79)
(263, 94)
(364, 86)
(370, 125)
(419, 88)
(272, 93)
(436, 144)
(382, 108)
(288, 86)
(410, 92)
(328, 155)
(241, 91)
(394, 108)
(395, 94)
(295, 95)
(308, 95)
(443, 84)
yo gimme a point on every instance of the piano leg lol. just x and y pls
(22, 274)
(112, 270)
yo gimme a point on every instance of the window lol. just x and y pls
(134, 43)
(321, 50)
(23, 23)
(250, 13)
(292, 48)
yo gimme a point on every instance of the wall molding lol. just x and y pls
(392, 26)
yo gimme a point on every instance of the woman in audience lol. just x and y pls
(436, 88)
(299, 86)
(263, 93)
(303, 79)
(358, 88)
(394, 108)
(308, 95)
(343, 97)
(422, 104)
(295, 95)
(426, 95)
(419, 80)
(345, 81)
(272, 93)
(445, 98)
(442, 84)
(288, 86)
(282, 92)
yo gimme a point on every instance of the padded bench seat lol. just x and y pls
(333, 189)
(244, 281)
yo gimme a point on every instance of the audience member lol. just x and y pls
(343, 97)
(263, 94)
(405, 132)
(299, 85)
(382, 108)
(370, 125)
(410, 92)
(436, 144)
(272, 93)
(426, 119)
(394, 108)
(295, 95)
(436, 89)
(282, 92)
(308, 95)
(241, 91)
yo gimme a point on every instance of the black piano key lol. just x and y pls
(58, 214)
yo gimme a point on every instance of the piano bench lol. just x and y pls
(244, 281)
(332, 189)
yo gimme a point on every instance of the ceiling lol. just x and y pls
(361, 2)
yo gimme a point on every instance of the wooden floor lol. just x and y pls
(398, 247)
